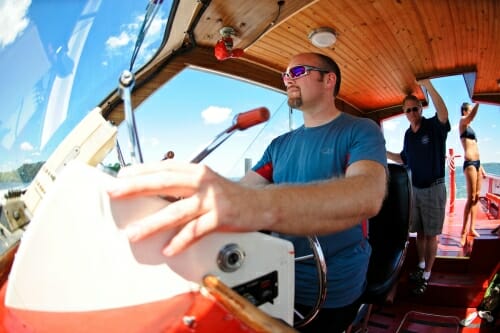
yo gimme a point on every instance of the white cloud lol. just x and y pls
(215, 114)
(134, 26)
(155, 27)
(114, 42)
(391, 125)
(26, 146)
(125, 41)
(13, 19)
(155, 141)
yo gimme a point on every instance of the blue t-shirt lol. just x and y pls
(424, 151)
(319, 153)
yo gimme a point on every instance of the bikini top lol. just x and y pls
(468, 134)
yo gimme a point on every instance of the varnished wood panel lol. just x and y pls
(384, 45)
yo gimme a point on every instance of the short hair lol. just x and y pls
(411, 97)
(330, 64)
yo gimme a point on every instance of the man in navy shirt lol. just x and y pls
(424, 152)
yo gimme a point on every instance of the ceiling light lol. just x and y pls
(323, 37)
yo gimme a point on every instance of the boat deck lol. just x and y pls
(457, 285)
(449, 240)
(402, 317)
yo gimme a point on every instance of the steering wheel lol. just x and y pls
(319, 259)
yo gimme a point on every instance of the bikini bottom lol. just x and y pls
(476, 164)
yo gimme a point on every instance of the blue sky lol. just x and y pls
(195, 106)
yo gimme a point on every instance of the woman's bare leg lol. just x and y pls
(475, 189)
(471, 184)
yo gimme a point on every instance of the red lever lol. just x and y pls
(241, 121)
(250, 118)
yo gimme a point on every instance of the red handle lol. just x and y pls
(250, 118)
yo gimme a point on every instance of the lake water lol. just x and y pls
(12, 185)
(461, 191)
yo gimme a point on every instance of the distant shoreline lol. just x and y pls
(461, 192)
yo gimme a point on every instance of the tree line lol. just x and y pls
(24, 174)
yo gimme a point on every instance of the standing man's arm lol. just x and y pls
(442, 111)
(394, 157)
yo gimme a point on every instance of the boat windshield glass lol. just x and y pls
(59, 60)
(185, 116)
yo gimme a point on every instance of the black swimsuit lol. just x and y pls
(475, 164)
(470, 134)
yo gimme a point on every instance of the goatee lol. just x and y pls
(294, 102)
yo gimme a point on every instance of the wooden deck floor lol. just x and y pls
(453, 292)
(406, 317)
(449, 240)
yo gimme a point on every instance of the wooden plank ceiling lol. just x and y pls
(382, 46)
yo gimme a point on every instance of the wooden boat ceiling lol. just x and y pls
(382, 46)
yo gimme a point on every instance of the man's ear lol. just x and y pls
(331, 78)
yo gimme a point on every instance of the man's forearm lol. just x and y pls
(331, 206)
(395, 157)
(441, 109)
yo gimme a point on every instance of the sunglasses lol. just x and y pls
(300, 71)
(414, 109)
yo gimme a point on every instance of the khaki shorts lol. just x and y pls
(429, 208)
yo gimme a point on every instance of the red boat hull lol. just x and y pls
(183, 313)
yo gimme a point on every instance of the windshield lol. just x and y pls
(185, 115)
(59, 60)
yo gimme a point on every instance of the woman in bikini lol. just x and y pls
(472, 169)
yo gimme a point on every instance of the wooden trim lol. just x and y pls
(6, 261)
(242, 309)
